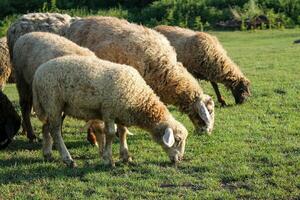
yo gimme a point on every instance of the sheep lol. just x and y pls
(9, 121)
(151, 54)
(5, 67)
(43, 22)
(30, 51)
(89, 88)
(33, 49)
(205, 58)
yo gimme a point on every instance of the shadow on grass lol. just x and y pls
(31, 166)
(30, 169)
(18, 144)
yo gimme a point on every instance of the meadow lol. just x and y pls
(253, 153)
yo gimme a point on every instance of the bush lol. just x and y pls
(196, 14)
(185, 13)
(5, 23)
(9, 7)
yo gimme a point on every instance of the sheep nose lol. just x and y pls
(174, 159)
(204, 130)
(180, 158)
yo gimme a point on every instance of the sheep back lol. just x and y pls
(43, 22)
(33, 49)
(89, 88)
(209, 60)
(148, 51)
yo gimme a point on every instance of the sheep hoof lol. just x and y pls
(126, 160)
(222, 102)
(34, 139)
(71, 164)
(125, 157)
(109, 163)
(23, 132)
(48, 157)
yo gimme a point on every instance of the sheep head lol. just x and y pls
(241, 91)
(202, 114)
(171, 136)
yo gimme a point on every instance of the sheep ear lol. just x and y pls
(168, 137)
(203, 112)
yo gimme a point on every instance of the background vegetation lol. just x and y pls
(196, 14)
(253, 153)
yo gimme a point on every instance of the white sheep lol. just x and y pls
(89, 88)
(151, 54)
(30, 51)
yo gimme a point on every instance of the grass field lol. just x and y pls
(253, 153)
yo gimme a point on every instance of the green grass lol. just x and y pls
(253, 153)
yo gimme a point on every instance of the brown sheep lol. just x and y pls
(9, 121)
(5, 66)
(204, 57)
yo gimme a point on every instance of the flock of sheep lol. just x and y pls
(112, 74)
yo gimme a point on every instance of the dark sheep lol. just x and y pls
(10, 121)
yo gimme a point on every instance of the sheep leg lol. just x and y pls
(124, 153)
(110, 130)
(100, 137)
(26, 106)
(55, 130)
(62, 119)
(47, 143)
(219, 96)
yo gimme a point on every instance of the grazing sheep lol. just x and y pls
(150, 53)
(9, 121)
(32, 22)
(89, 88)
(30, 51)
(205, 58)
(33, 49)
(5, 67)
